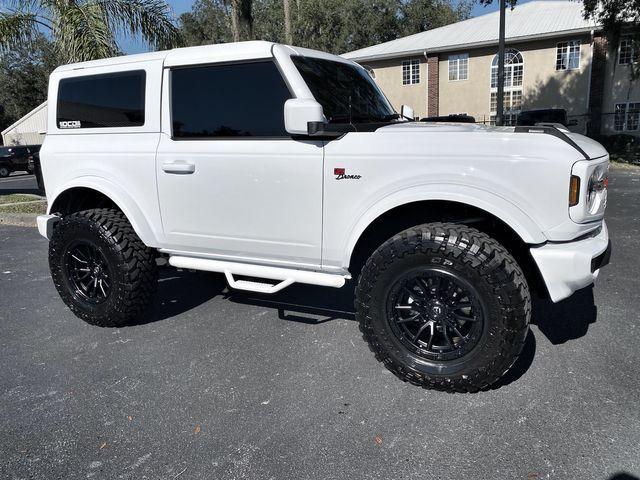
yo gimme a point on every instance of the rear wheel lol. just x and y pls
(101, 269)
(4, 172)
(444, 306)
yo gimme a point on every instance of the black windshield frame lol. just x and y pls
(346, 92)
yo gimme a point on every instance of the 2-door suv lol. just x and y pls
(275, 164)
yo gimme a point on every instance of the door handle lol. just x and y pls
(179, 166)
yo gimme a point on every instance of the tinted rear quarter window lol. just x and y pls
(99, 101)
(233, 100)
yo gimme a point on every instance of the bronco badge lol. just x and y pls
(341, 174)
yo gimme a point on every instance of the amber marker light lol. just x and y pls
(574, 190)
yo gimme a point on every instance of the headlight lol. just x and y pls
(597, 189)
(588, 190)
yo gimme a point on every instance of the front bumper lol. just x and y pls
(45, 225)
(567, 267)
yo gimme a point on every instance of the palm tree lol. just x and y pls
(86, 29)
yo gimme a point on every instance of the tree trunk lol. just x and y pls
(241, 20)
(287, 22)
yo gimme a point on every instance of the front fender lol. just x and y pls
(120, 197)
(490, 202)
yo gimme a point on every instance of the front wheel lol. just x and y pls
(101, 269)
(444, 306)
(4, 172)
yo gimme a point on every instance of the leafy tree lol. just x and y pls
(86, 29)
(421, 15)
(207, 22)
(24, 75)
(331, 25)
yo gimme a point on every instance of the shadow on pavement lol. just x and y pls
(623, 476)
(568, 319)
(181, 291)
(304, 303)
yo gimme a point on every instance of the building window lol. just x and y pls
(626, 117)
(513, 76)
(568, 55)
(410, 72)
(513, 69)
(459, 67)
(627, 54)
(512, 106)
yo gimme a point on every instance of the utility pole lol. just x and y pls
(500, 95)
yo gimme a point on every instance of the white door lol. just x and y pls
(231, 182)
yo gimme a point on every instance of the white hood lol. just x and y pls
(592, 148)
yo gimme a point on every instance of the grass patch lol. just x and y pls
(31, 207)
(18, 197)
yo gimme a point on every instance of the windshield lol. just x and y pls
(346, 93)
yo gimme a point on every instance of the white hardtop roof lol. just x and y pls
(219, 52)
(529, 21)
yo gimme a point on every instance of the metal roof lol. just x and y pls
(533, 20)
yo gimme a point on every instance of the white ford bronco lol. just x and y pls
(278, 165)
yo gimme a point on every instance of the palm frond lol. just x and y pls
(149, 18)
(82, 32)
(15, 28)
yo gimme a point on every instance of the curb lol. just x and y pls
(18, 219)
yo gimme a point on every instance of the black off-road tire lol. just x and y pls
(478, 259)
(132, 266)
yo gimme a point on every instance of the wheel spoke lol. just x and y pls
(446, 336)
(102, 288)
(78, 259)
(464, 318)
(420, 330)
(460, 305)
(457, 332)
(410, 319)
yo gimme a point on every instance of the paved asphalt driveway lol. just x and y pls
(217, 385)
(18, 183)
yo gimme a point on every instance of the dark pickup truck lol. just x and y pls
(15, 158)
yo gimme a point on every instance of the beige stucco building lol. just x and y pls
(555, 59)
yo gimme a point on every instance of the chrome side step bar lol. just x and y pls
(284, 276)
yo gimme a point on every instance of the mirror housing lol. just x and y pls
(298, 112)
(407, 112)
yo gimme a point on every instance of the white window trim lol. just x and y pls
(568, 42)
(625, 37)
(625, 118)
(458, 57)
(410, 62)
(512, 86)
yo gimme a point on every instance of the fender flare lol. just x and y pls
(524, 226)
(117, 195)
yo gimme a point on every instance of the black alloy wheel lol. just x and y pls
(88, 272)
(436, 313)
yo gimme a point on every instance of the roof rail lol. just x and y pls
(555, 129)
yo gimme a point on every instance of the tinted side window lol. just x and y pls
(96, 101)
(237, 100)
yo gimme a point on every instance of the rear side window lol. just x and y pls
(98, 101)
(235, 100)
